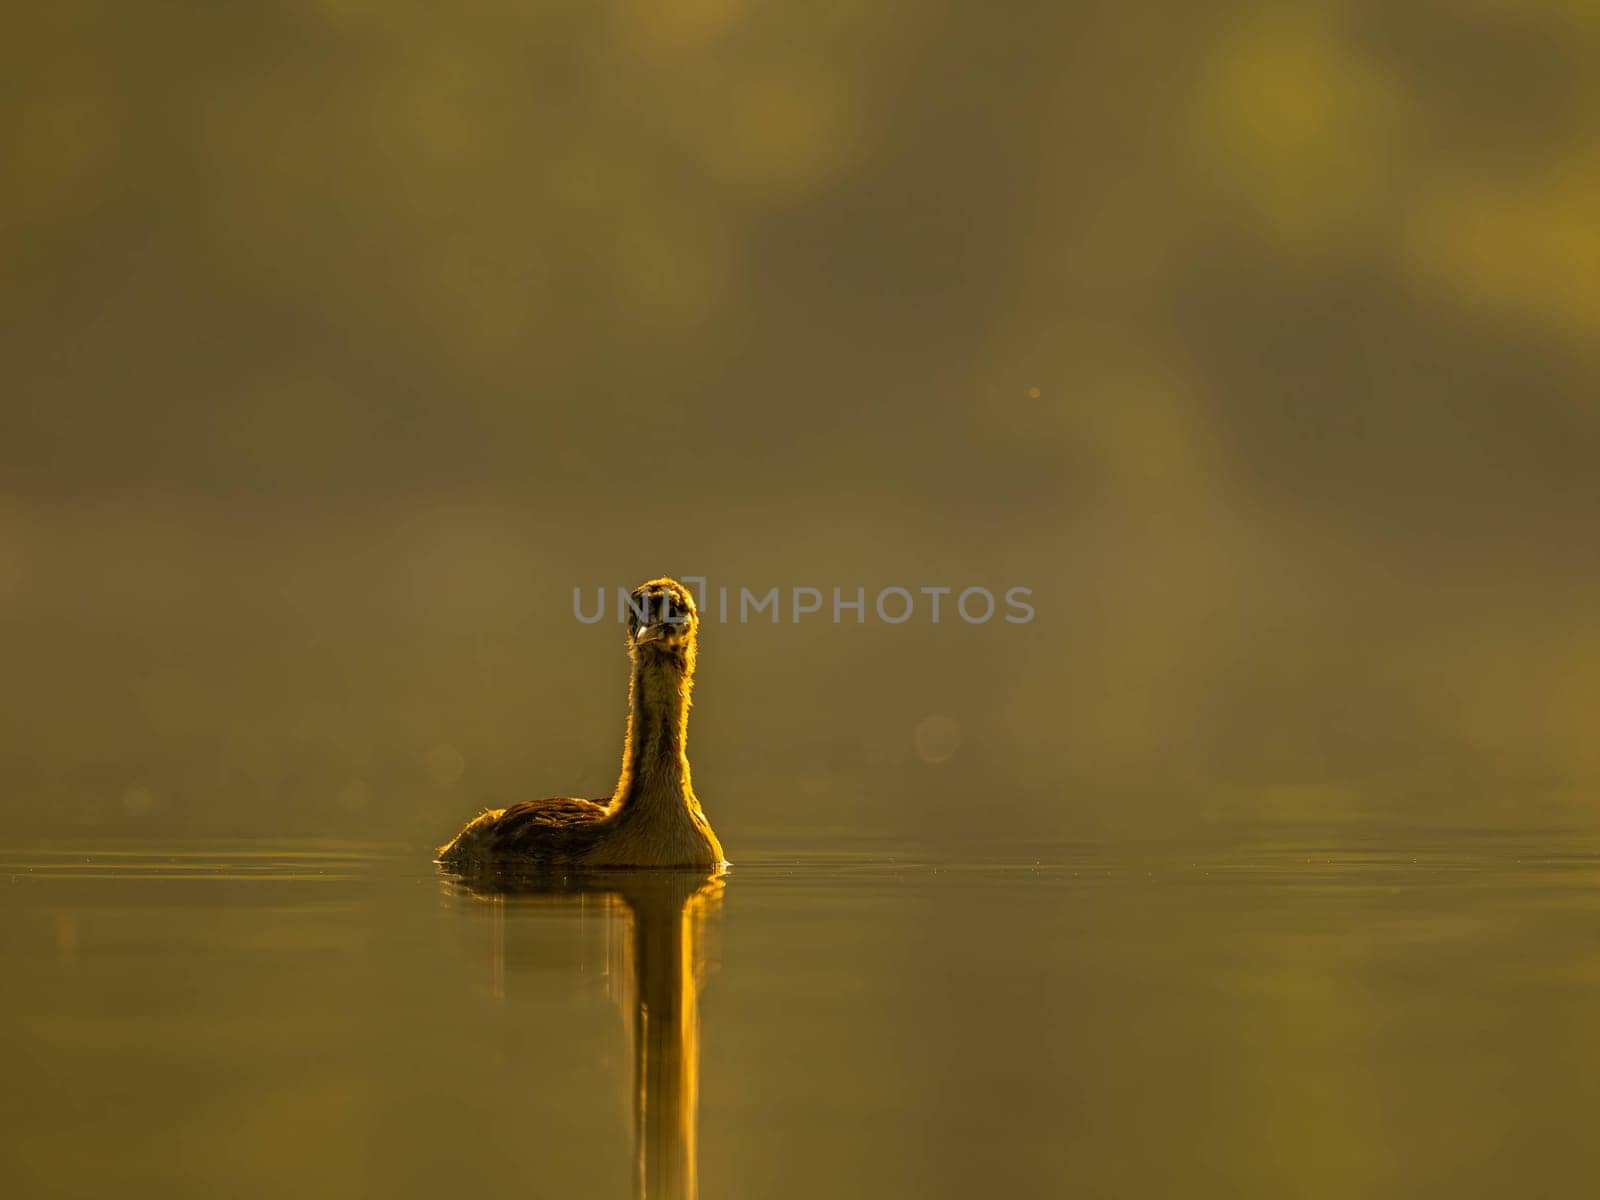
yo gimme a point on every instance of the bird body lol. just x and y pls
(653, 818)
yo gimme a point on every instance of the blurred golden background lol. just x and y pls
(341, 340)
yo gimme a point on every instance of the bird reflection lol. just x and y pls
(670, 920)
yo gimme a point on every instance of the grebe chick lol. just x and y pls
(652, 819)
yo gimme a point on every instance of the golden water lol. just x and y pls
(1310, 1014)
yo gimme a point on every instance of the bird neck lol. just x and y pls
(655, 763)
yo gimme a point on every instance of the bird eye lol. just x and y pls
(657, 608)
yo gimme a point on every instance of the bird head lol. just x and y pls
(662, 617)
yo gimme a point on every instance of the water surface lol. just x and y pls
(1311, 1014)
